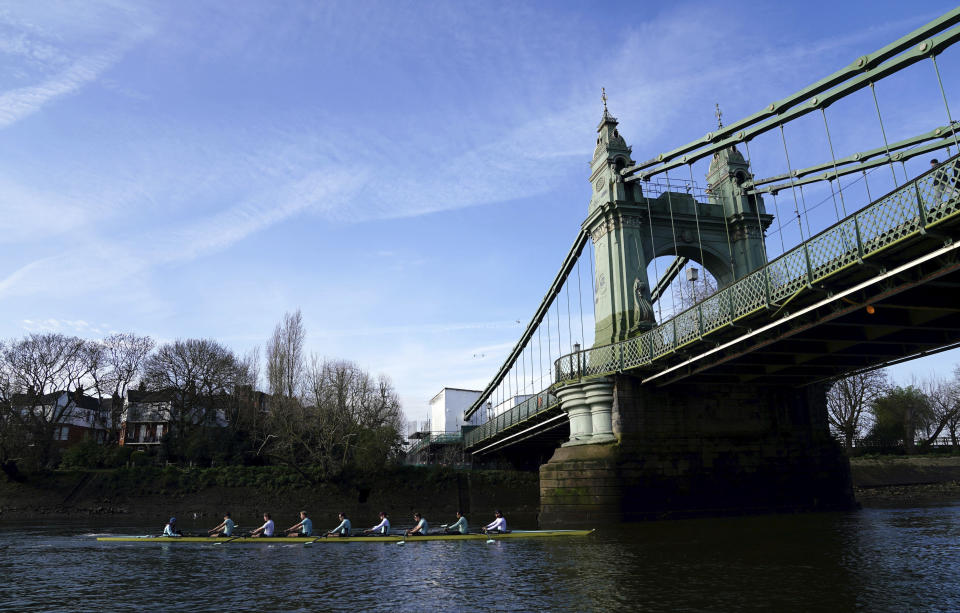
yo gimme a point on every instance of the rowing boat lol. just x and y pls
(516, 534)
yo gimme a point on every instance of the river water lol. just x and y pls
(877, 559)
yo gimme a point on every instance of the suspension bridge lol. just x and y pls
(694, 399)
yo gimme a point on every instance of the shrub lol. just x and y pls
(140, 458)
(85, 454)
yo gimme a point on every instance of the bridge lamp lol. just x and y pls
(870, 309)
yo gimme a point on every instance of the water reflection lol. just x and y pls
(875, 560)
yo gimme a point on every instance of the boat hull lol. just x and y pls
(516, 534)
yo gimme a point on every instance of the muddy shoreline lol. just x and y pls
(903, 480)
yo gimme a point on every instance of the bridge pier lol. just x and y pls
(690, 450)
(589, 407)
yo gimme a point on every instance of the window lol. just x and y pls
(63, 432)
(159, 431)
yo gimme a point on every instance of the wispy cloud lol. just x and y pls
(21, 102)
(70, 71)
(74, 326)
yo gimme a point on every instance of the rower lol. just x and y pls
(460, 526)
(266, 529)
(382, 528)
(171, 528)
(497, 525)
(421, 528)
(343, 529)
(225, 528)
(305, 526)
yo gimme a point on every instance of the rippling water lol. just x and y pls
(871, 560)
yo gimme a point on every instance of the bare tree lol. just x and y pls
(345, 418)
(126, 355)
(199, 373)
(849, 399)
(250, 366)
(285, 362)
(688, 293)
(12, 430)
(41, 368)
(943, 397)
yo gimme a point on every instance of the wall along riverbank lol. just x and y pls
(200, 496)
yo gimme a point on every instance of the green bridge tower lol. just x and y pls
(638, 451)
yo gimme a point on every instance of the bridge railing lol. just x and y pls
(523, 411)
(435, 438)
(902, 213)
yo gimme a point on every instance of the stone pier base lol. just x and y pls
(581, 486)
(700, 450)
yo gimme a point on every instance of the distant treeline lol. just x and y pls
(319, 417)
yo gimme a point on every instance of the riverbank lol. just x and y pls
(202, 495)
(896, 480)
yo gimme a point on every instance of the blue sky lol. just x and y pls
(409, 174)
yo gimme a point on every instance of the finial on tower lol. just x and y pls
(719, 115)
(603, 96)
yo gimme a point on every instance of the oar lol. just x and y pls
(232, 538)
(315, 540)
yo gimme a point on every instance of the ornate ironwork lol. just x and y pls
(897, 216)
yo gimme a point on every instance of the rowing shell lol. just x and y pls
(516, 534)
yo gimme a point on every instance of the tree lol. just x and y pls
(120, 365)
(12, 432)
(285, 363)
(899, 414)
(345, 419)
(848, 400)
(199, 374)
(40, 367)
(943, 398)
(688, 293)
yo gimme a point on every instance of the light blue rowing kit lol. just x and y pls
(306, 527)
(228, 525)
(343, 529)
(460, 526)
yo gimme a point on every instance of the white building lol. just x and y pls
(447, 408)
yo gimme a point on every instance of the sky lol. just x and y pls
(409, 174)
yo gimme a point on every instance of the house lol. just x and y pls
(149, 415)
(74, 415)
(146, 417)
